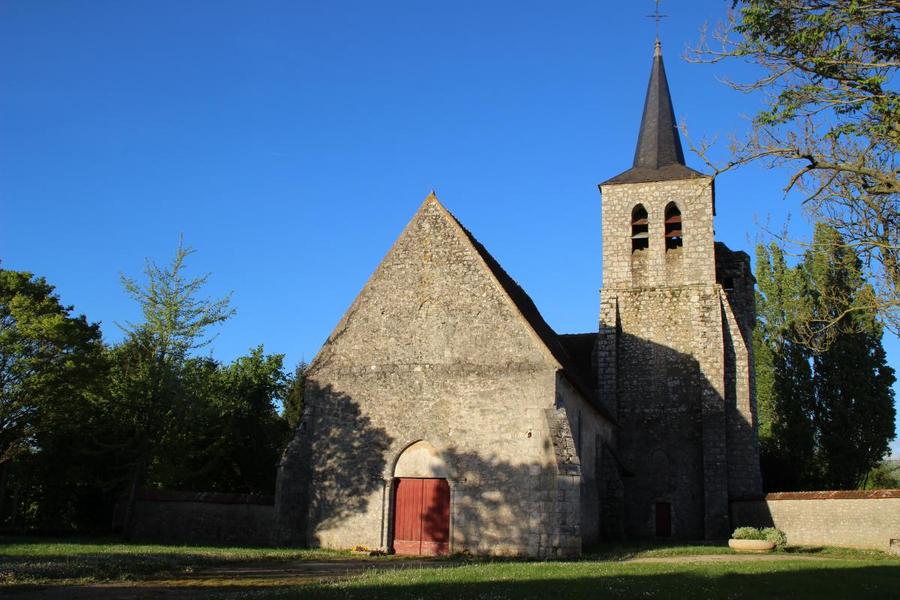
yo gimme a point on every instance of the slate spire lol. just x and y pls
(658, 141)
(658, 156)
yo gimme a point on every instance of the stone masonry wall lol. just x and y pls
(672, 436)
(852, 519)
(183, 517)
(683, 388)
(432, 349)
(589, 432)
(693, 263)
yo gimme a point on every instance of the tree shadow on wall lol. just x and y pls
(501, 507)
(336, 446)
(684, 441)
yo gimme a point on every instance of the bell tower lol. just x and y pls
(658, 215)
(673, 354)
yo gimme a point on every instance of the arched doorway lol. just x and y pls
(421, 502)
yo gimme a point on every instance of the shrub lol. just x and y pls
(769, 534)
(776, 536)
(747, 533)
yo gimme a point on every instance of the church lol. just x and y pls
(444, 415)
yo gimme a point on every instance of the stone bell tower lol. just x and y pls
(673, 355)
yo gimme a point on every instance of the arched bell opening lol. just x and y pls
(674, 227)
(640, 229)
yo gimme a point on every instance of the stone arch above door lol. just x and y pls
(421, 459)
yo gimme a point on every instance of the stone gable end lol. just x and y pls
(431, 301)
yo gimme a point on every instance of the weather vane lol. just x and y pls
(657, 16)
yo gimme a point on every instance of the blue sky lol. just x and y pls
(290, 142)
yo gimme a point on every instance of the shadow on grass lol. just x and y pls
(819, 580)
(622, 581)
(619, 551)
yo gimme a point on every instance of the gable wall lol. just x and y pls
(431, 349)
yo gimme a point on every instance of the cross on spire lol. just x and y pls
(657, 16)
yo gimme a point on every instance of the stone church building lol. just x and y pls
(443, 414)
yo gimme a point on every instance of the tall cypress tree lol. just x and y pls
(825, 403)
(854, 403)
(783, 377)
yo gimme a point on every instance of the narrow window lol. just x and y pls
(640, 236)
(674, 235)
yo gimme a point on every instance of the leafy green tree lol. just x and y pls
(885, 476)
(828, 73)
(251, 434)
(49, 362)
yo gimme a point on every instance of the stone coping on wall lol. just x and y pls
(204, 497)
(835, 495)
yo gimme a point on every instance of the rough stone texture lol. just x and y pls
(656, 267)
(434, 349)
(673, 361)
(865, 522)
(226, 519)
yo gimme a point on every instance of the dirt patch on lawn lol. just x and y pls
(212, 581)
(223, 581)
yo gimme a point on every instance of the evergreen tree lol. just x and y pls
(148, 383)
(783, 378)
(826, 411)
(854, 401)
(293, 401)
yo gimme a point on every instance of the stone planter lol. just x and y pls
(751, 545)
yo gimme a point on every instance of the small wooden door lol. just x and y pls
(422, 516)
(663, 519)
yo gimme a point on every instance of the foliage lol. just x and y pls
(176, 320)
(50, 364)
(785, 394)
(826, 416)
(883, 476)
(81, 423)
(47, 357)
(293, 401)
(237, 443)
(148, 382)
(748, 533)
(776, 536)
(768, 534)
(828, 70)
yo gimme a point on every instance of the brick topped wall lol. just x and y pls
(860, 519)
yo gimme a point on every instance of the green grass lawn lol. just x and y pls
(601, 573)
(792, 579)
(39, 561)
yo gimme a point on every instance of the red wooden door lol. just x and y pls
(422, 516)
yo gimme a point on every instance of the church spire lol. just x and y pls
(658, 144)
(658, 156)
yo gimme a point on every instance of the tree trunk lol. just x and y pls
(128, 520)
